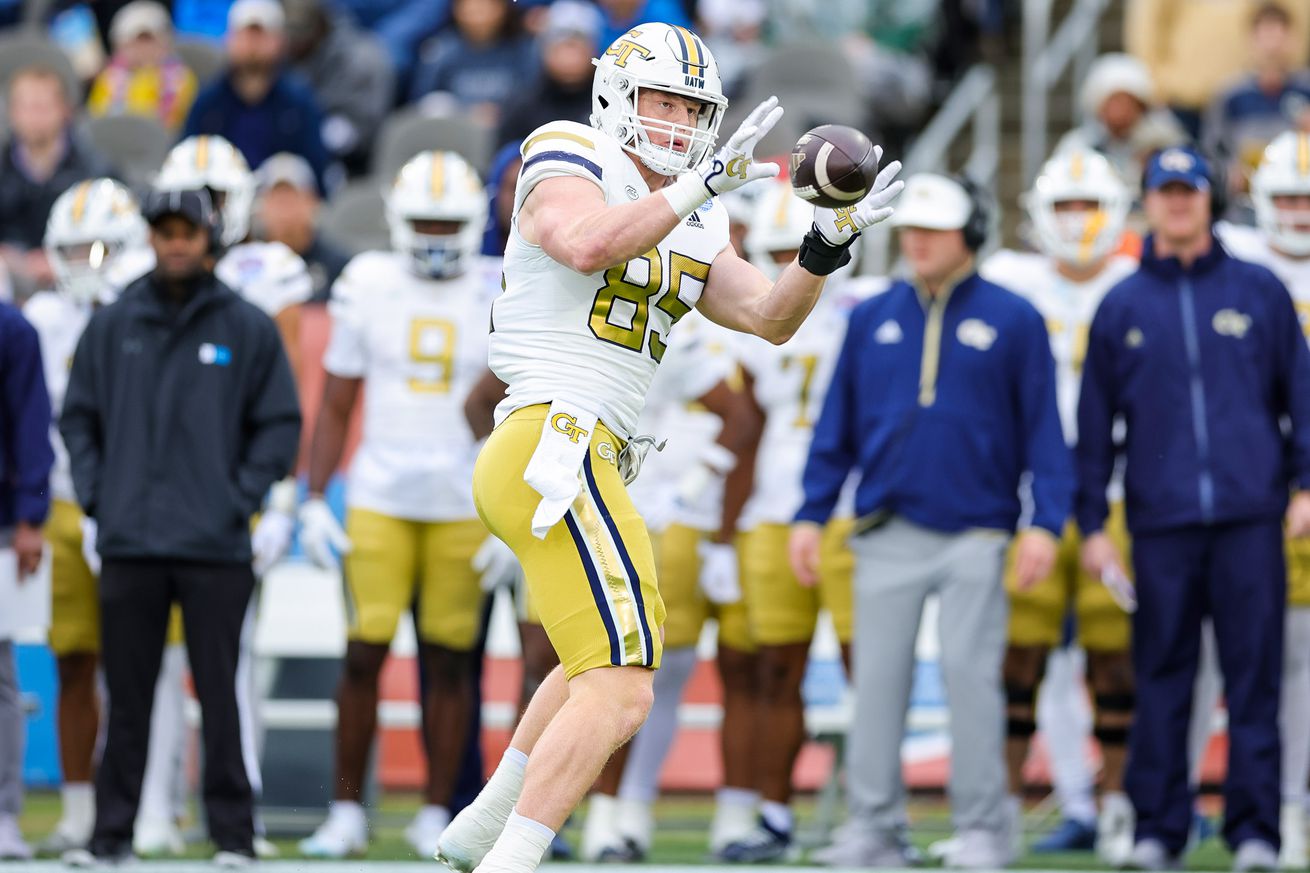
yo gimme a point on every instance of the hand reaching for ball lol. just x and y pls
(838, 226)
(734, 164)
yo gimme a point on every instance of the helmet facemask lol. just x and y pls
(665, 159)
(80, 267)
(436, 255)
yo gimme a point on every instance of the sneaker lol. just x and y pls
(265, 850)
(760, 846)
(225, 860)
(1255, 856)
(1114, 829)
(1150, 854)
(12, 846)
(65, 837)
(425, 830)
(342, 834)
(1069, 835)
(468, 838)
(1291, 832)
(154, 838)
(83, 859)
(866, 847)
(979, 850)
(626, 852)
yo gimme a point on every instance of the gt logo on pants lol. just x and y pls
(567, 425)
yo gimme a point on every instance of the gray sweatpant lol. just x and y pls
(896, 567)
(12, 732)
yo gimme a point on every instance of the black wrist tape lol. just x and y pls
(820, 257)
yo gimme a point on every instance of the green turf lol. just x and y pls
(680, 838)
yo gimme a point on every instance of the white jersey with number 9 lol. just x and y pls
(594, 340)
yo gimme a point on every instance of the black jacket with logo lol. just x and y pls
(177, 420)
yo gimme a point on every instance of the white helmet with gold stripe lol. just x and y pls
(661, 57)
(90, 226)
(1078, 236)
(437, 186)
(1284, 171)
(779, 221)
(214, 163)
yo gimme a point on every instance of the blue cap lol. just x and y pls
(1177, 164)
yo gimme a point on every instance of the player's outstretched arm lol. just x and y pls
(330, 429)
(568, 216)
(740, 297)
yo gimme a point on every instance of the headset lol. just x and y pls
(978, 225)
(1216, 173)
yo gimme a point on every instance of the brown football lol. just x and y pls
(833, 165)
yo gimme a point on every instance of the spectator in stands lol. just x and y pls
(180, 412)
(502, 181)
(1203, 357)
(623, 15)
(568, 43)
(1272, 98)
(348, 69)
(144, 76)
(1120, 117)
(287, 212)
(1192, 49)
(734, 31)
(257, 105)
(944, 396)
(402, 25)
(25, 462)
(43, 158)
(481, 62)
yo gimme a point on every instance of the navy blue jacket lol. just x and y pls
(25, 453)
(288, 119)
(1202, 364)
(945, 453)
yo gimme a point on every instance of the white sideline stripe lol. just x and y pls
(314, 866)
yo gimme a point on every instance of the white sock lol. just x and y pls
(520, 847)
(600, 830)
(734, 816)
(636, 822)
(502, 790)
(641, 776)
(350, 810)
(79, 804)
(432, 813)
(777, 816)
(729, 796)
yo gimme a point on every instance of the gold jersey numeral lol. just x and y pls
(432, 341)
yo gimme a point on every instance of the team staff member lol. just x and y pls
(1202, 355)
(25, 462)
(180, 413)
(943, 395)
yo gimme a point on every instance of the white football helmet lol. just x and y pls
(1284, 169)
(90, 227)
(1078, 238)
(779, 221)
(438, 186)
(213, 162)
(661, 57)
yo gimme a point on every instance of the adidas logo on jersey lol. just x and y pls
(693, 220)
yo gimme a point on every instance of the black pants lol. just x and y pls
(135, 596)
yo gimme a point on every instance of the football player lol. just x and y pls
(1078, 207)
(787, 385)
(1280, 192)
(92, 228)
(691, 496)
(616, 236)
(411, 325)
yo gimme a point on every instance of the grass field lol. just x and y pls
(680, 838)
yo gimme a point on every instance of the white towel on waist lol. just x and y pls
(555, 464)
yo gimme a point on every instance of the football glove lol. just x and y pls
(839, 226)
(718, 572)
(272, 539)
(731, 167)
(90, 531)
(320, 533)
(496, 564)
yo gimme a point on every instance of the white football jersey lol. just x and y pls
(419, 345)
(1249, 244)
(59, 323)
(594, 340)
(790, 383)
(699, 357)
(1068, 308)
(268, 274)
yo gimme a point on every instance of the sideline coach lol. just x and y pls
(180, 413)
(1202, 357)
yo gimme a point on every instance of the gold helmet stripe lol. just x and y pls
(1076, 168)
(1302, 154)
(79, 202)
(437, 178)
(202, 153)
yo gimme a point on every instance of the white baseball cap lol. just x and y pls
(266, 14)
(933, 202)
(1116, 73)
(137, 18)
